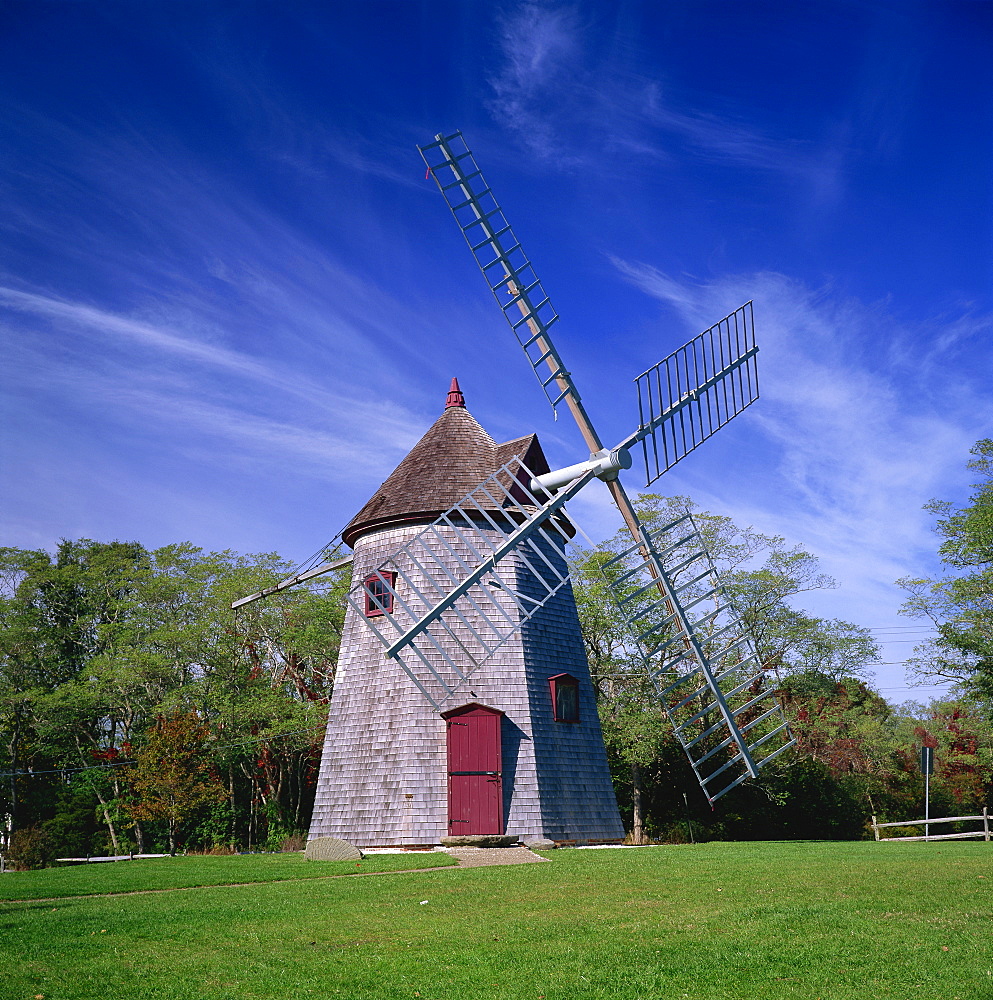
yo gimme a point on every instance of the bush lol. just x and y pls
(294, 842)
(282, 840)
(30, 848)
(73, 830)
(213, 851)
(678, 833)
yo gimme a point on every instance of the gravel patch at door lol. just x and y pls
(472, 857)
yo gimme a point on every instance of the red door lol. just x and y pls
(475, 790)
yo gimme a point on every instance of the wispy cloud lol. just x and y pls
(566, 103)
(843, 449)
(162, 339)
(181, 293)
(542, 62)
(541, 47)
(849, 425)
(125, 369)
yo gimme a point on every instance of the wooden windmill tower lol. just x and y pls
(462, 702)
(515, 748)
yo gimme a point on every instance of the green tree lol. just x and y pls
(100, 639)
(961, 733)
(260, 678)
(270, 699)
(173, 776)
(22, 677)
(763, 575)
(960, 605)
(68, 603)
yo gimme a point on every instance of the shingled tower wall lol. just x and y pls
(383, 778)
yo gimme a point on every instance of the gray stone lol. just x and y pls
(538, 843)
(480, 840)
(331, 849)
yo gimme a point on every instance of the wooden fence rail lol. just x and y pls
(926, 823)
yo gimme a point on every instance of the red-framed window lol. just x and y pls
(379, 593)
(564, 689)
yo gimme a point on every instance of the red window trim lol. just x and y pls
(565, 680)
(373, 583)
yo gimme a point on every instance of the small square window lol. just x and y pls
(379, 593)
(564, 689)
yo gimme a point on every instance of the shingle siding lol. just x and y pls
(453, 457)
(386, 742)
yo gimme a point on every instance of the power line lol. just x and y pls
(914, 687)
(901, 625)
(900, 628)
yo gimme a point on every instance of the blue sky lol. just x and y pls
(230, 301)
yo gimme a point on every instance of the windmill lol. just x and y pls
(514, 749)
(463, 701)
(700, 658)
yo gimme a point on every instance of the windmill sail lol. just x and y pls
(699, 655)
(506, 268)
(682, 400)
(445, 602)
(696, 390)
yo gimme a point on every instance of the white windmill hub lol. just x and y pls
(604, 465)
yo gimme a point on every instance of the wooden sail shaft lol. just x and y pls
(551, 358)
(617, 492)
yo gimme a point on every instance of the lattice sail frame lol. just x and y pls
(699, 656)
(682, 400)
(498, 252)
(696, 390)
(448, 600)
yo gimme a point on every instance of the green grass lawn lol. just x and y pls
(196, 870)
(722, 921)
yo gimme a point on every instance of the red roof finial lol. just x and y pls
(455, 397)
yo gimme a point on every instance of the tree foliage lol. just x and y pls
(173, 775)
(100, 639)
(960, 605)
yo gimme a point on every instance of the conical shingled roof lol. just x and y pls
(453, 457)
